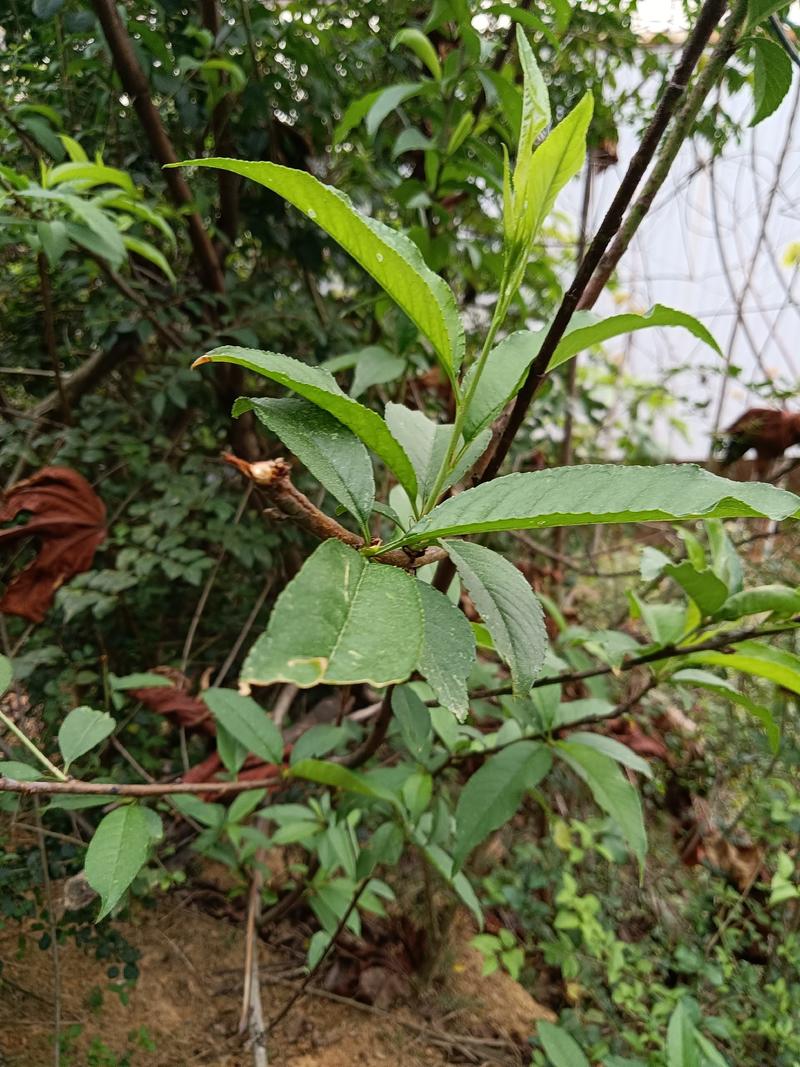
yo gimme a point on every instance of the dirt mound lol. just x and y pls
(183, 1010)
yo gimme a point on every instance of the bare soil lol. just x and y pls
(187, 1002)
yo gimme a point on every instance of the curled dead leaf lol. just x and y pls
(67, 518)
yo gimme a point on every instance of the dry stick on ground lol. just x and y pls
(251, 1019)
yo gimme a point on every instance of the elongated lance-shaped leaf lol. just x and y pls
(581, 496)
(390, 257)
(554, 163)
(508, 363)
(535, 111)
(562, 1049)
(691, 676)
(341, 620)
(321, 388)
(611, 789)
(507, 605)
(246, 722)
(332, 452)
(447, 654)
(493, 794)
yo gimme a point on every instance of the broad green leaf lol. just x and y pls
(426, 442)
(248, 723)
(609, 747)
(779, 599)
(703, 586)
(6, 673)
(414, 720)
(562, 1049)
(724, 558)
(375, 366)
(611, 790)
(370, 629)
(82, 729)
(772, 77)
(581, 496)
(682, 1048)
(390, 257)
(495, 791)
(508, 363)
(150, 252)
(385, 846)
(245, 804)
(117, 853)
(422, 48)
(23, 772)
(575, 711)
(760, 10)
(411, 140)
(385, 103)
(507, 605)
(331, 452)
(722, 687)
(54, 239)
(333, 774)
(320, 387)
(752, 657)
(211, 815)
(74, 150)
(553, 164)
(448, 650)
(318, 741)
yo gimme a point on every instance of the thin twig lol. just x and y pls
(245, 630)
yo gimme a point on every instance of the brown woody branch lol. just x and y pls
(273, 477)
(73, 787)
(134, 82)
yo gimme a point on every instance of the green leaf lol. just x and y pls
(390, 257)
(54, 239)
(580, 496)
(89, 175)
(330, 451)
(411, 140)
(421, 47)
(535, 109)
(22, 772)
(248, 723)
(760, 10)
(441, 862)
(353, 115)
(682, 1048)
(553, 164)
(6, 673)
(386, 102)
(507, 605)
(320, 387)
(414, 720)
(609, 747)
(73, 147)
(426, 442)
(370, 629)
(690, 676)
(611, 789)
(333, 774)
(772, 78)
(616, 325)
(144, 680)
(82, 729)
(507, 364)
(781, 600)
(703, 586)
(375, 366)
(448, 650)
(318, 741)
(150, 252)
(117, 853)
(759, 660)
(562, 1050)
(495, 791)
